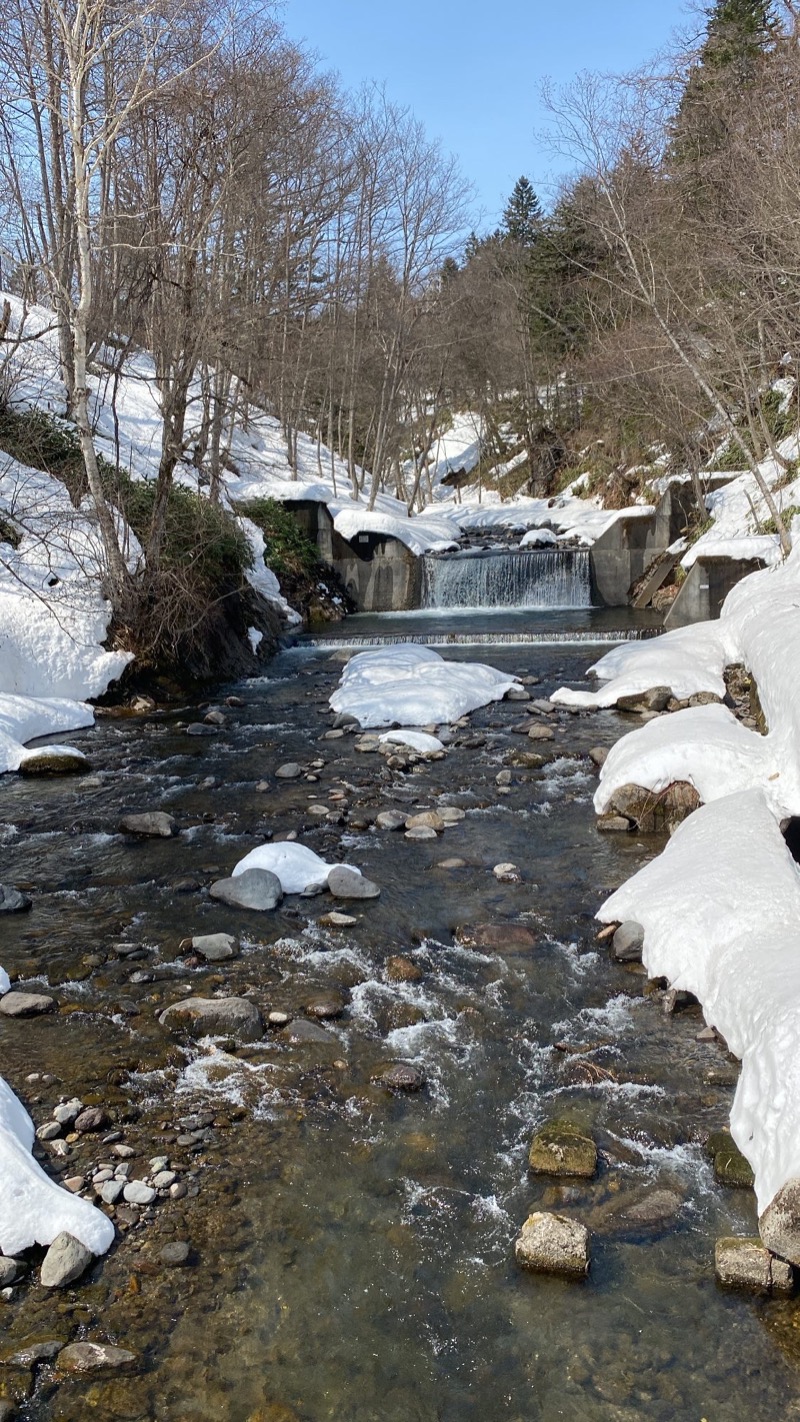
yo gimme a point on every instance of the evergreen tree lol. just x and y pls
(522, 218)
(738, 33)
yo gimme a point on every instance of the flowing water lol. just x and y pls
(353, 1251)
(540, 578)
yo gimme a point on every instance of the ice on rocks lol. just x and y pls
(414, 686)
(417, 740)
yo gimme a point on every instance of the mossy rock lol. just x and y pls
(730, 1166)
(561, 1149)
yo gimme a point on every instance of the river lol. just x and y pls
(352, 1251)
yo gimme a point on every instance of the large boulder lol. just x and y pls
(54, 760)
(553, 1244)
(235, 1017)
(652, 812)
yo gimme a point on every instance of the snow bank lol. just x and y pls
(705, 745)
(33, 1209)
(720, 910)
(5, 982)
(262, 578)
(688, 660)
(297, 866)
(413, 686)
(24, 718)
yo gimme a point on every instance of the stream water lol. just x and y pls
(352, 1250)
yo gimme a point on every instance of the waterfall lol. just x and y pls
(548, 578)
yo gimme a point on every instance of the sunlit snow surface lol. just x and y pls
(414, 686)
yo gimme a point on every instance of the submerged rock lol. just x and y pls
(257, 889)
(299, 1033)
(151, 824)
(561, 1149)
(498, 937)
(746, 1264)
(65, 1261)
(236, 1017)
(399, 1076)
(553, 1244)
(400, 969)
(88, 1357)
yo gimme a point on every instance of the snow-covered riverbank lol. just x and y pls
(721, 907)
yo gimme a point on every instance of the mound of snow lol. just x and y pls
(297, 866)
(415, 686)
(5, 982)
(539, 538)
(33, 1209)
(417, 740)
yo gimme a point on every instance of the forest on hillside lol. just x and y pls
(187, 182)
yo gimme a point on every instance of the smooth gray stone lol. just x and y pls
(257, 889)
(65, 1261)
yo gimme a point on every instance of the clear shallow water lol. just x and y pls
(354, 1251)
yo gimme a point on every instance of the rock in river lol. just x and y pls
(236, 1017)
(65, 1261)
(628, 942)
(54, 760)
(26, 1004)
(215, 947)
(399, 1076)
(553, 1244)
(154, 824)
(12, 901)
(561, 1149)
(746, 1264)
(87, 1357)
(257, 889)
(346, 883)
(779, 1225)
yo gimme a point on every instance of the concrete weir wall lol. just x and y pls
(379, 572)
(707, 585)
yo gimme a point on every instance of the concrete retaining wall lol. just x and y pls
(378, 571)
(707, 585)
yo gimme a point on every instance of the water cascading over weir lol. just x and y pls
(536, 579)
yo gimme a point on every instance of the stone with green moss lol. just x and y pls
(562, 1149)
(730, 1166)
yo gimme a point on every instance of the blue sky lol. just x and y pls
(471, 72)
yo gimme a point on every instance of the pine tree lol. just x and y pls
(522, 218)
(738, 33)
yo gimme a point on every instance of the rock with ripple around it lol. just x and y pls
(235, 1017)
(399, 1076)
(12, 901)
(89, 1357)
(25, 1004)
(152, 824)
